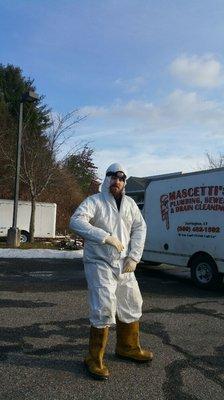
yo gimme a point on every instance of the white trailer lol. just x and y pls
(184, 214)
(45, 219)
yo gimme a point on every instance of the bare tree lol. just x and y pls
(62, 128)
(215, 161)
(40, 152)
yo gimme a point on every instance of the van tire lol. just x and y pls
(24, 237)
(204, 272)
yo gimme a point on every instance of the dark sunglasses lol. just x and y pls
(117, 175)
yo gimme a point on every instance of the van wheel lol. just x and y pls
(24, 237)
(204, 272)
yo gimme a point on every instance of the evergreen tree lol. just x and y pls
(12, 86)
(81, 165)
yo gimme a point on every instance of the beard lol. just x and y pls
(116, 191)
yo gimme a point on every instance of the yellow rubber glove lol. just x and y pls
(129, 265)
(114, 241)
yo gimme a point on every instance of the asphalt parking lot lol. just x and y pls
(44, 336)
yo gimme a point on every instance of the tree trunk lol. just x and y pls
(32, 218)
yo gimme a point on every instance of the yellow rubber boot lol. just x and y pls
(128, 345)
(94, 361)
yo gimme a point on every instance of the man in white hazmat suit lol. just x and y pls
(114, 233)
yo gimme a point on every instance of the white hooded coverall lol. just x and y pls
(110, 291)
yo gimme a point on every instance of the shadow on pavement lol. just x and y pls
(51, 275)
(56, 345)
(41, 275)
(175, 282)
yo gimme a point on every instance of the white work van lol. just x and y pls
(45, 219)
(184, 214)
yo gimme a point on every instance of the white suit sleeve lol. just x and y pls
(80, 222)
(137, 237)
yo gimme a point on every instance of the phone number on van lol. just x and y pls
(210, 229)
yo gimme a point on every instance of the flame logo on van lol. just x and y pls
(164, 208)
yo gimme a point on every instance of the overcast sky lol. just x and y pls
(149, 74)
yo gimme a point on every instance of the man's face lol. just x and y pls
(117, 184)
